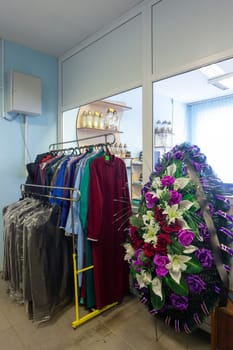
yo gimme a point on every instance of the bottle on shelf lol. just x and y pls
(115, 120)
(109, 118)
(84, 119)
(89, 119)
(120, 152)
(95, 121)
(101, 121)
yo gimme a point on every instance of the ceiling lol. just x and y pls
(55, 26)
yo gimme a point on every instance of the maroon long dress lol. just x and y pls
(108, 219)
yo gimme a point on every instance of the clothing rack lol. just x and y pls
(25, 189)
(107, 142)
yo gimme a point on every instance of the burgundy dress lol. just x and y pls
(108, 219)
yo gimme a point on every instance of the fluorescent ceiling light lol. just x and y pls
(213, 70)
(222, 82)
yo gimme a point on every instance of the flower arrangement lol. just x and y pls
(178, 242)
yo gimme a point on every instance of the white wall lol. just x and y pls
(188, 33)
(156, 40)
(109, 65)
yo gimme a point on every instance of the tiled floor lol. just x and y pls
(127, 326)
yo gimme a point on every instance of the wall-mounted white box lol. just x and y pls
(24, 94)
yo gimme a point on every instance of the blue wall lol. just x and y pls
(41, 130)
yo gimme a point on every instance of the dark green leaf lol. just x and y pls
(181, 288)
(193, 266)
(156, 301)
(175, 247)
(136, 221)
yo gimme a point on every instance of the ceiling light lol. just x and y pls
(213, 70)
(222, 82)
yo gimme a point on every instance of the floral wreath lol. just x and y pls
(178, 242)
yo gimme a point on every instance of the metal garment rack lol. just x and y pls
(53, 147)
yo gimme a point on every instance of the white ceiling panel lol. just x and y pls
(55, 26)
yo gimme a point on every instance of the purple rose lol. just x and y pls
(137, 263)
(179, 302)
(205, 257)
(161, 271)
(203, 231)
(176, 197)
(178, 155)
(151, 199)
(197, 167)
(158, 169)
(185, 237)
(196, 284)
(167, 180)
(161, 261)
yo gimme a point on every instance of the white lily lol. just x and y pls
(190, 249)
(157, 287)
(156, 183)
(143, 279)
(185, 205)
(171, 169)
(148, 218)
(177, 265)
(180, 183)
(150, 235)
(129, 251)
(183, 223)
(173, 213)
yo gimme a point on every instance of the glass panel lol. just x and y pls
(200, 110)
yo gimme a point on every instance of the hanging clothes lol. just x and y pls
(108, 218)
(45, 233)
(37, 258)
(81, 171)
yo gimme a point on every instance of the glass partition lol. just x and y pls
(198, 108)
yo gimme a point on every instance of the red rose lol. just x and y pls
(159, 216)
(149, 250)
(174, 227)
(136, 241)
(162, 242)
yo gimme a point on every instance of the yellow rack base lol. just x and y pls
(80, 320)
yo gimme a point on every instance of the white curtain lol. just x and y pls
(211, 128)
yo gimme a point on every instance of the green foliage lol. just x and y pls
(136, 221)
(156, 301)
(181, 288)
(193, 266)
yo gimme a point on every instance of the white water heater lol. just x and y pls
(24, 94)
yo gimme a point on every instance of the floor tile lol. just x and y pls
(4, 323)
(10, 341)
(127, 326)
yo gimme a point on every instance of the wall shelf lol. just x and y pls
(101, 107)
(100, 131)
